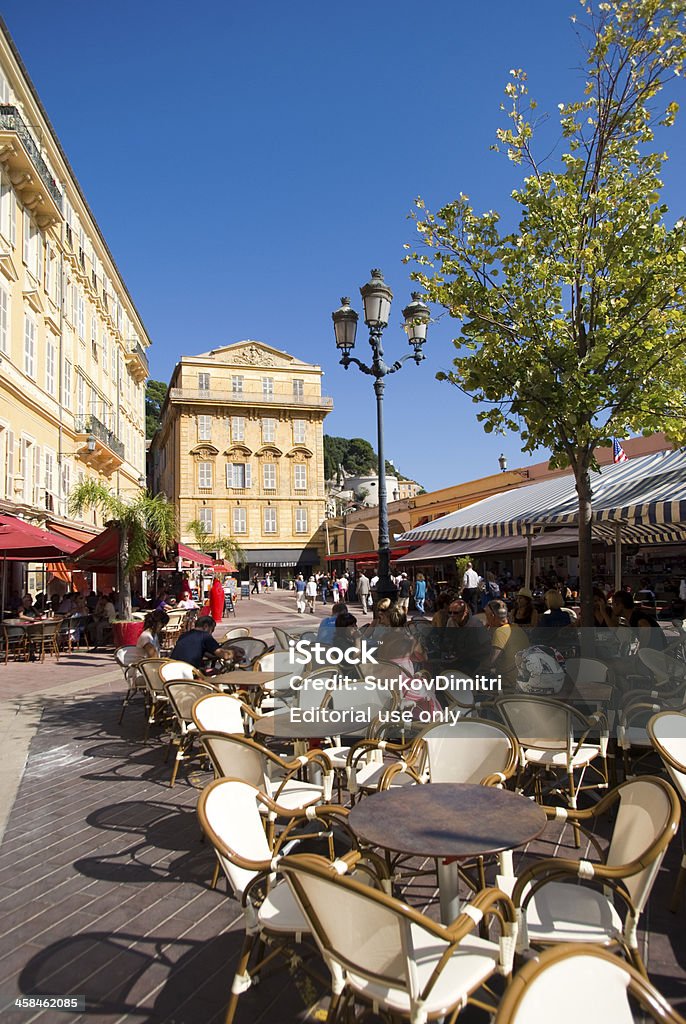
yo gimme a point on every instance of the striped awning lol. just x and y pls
(645, 496)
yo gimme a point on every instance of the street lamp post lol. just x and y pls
(376, 297)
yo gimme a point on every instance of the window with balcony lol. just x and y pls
(9, 465)
(237, 385)
(238, 428)
(299, 431)
(300, 477)
(205, 518)
(269, 476)
(4, 320)
(105, 352)
(29, 345)
(240, 520)
(269, 520)
(203, 382)
(267, 386)
(80, 396)
(238, 475)
(204, 428)
(301, 520)
(298, 390)
(268, 429)
(205, 475)
(49, 477)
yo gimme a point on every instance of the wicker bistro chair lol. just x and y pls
(14, 642)
(235, 632)
(667, 732)
(156, 701)
(231, 813)
(379, 951)
(41, 638)
(235, 756)
(556, 749)
(560, 900)
(128, 657)
(469, 750)
(182, 694)
(252, 649)
(537, 993)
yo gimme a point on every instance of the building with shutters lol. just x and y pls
(240, 448)
(72, 345)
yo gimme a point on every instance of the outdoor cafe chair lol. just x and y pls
(546, 987)
(235, 632)
(281, 638)
(237, 757)
(558, 747)
(14, 642)
(156, 700)
(667, 732)
(380, 951)
(252, 649)
(470, 750)
(182, 695)
(128, 657)
(41, 639)
(231, 813)
(563, 900)
(222, 712)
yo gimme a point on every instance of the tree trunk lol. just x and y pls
(583, 487)
(124, 578)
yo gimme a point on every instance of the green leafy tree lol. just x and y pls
(155, 394)
(205, 541)
(360, 457)
(146, 524)
(572, 324)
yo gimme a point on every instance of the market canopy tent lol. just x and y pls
(488, 545)
(644, 498)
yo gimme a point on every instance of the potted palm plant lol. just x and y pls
(144, 522)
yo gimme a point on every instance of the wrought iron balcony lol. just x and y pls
(92, 425)
(27, 169)
(254, 398)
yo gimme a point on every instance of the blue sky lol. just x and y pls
(249, 163)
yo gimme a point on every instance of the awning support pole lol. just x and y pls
(618, 556)
(527, 563)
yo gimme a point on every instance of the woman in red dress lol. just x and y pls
(217, 600)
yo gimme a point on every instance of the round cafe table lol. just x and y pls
(447, 820)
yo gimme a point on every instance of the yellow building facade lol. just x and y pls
(72, 345)
(240, 448)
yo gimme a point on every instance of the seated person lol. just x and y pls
(148, 643)
(325, 633)
(27, 609)
(507, 640)
(646, 627)
(465, 640)
(103, 617)
(556, 615)
(198, 643)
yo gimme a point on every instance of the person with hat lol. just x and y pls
(524, 613)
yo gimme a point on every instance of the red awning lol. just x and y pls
(99, 554)
(199, 557)
(21, 541)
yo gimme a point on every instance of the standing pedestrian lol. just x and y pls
(363, 591)
(404, 592)
(324, 587)
(255, 584)
(470, 587)
(343, 588)
(420, 592)
(300, 601)
(310, 593)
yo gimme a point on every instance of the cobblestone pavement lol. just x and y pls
(104, 880)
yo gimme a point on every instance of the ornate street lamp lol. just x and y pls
(377, 297)
(502, 462)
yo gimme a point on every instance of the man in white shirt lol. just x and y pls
(470, 587)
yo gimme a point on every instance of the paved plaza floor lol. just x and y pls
(104, 879)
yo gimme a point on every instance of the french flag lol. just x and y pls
(618, 453)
